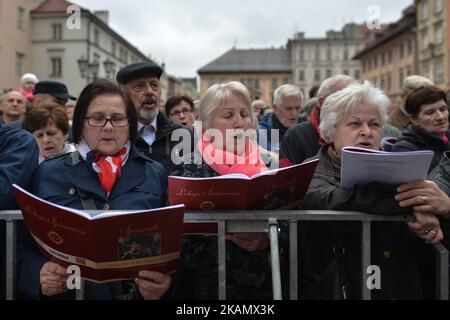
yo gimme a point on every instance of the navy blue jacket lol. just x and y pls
(19, 156)
(142, 185)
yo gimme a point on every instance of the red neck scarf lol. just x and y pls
(109, 169)
(443, 137)
(224, 162)
(316, 123)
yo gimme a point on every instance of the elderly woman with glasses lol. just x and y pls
(330, 254)
(104, 129)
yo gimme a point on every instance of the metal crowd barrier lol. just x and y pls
(259, 221)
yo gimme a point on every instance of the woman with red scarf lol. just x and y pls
(226, 145)
(107, 171)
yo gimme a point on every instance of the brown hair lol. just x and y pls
(38, 117)
(423, 96)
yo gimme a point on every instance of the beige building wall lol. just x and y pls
(15, 41)
(433, 41)
(260, 85)
(387, 65)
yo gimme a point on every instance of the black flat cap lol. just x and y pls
(53, 88)
(136, 70)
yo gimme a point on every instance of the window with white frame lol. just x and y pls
(20, 57)
(439, 70)
(21, 18)
(438, 33)
(438, 6)
(56, 31)
(425, 10)
(56, 67)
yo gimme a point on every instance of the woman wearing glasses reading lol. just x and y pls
(107, 169)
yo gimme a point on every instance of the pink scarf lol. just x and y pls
(27, 94)
(219, 160)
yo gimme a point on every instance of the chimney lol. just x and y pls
(102, 15)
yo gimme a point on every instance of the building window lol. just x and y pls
(250, 83)
(329, 73)
(21, 19)
(345, 53)
(56, 64)
(302, 54)
(357, 74)
(301, 75)
(389, 82)
(425, 41)
(401, 77)
(409, 72)
(126, 56)
(97, 37)
(375, 62)
(317, 53)
(274, 84)
(438, 33)
(345, 71)
(426, 70)
(439, 70)
(390, 56)
(383, 59)
(56, 31)
(410, 45)
(19, 63)
(425, 10)
(113, 48)
(285, 81)
(369, 63)
(317, 75)
(402, 50)
(257, 84)
(329, 53)
(210, 83)
(438, 6)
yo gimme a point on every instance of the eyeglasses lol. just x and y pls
(178, 112)
(101, 122)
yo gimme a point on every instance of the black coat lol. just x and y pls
(391, 249)
(162, 147)
(441, 174)
(415, 138)
(300, 143)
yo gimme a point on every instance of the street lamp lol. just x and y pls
(110, 68)
(89, 70)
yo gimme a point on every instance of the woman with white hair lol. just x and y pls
(28, 81)
(330, 254)
(226, 146)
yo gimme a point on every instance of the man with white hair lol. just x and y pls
(303, 141)
(287, 105)
(399, 118)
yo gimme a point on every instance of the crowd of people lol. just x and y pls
(115, 150)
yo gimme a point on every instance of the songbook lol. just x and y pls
(279, 189)
(360, 166)
(106, 246)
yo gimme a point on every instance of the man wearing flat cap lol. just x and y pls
(51, 91)
(140, 81)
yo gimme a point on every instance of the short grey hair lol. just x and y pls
(217, 95)
(286, 90)
(328, 86)
(414, 82)
(344, 102)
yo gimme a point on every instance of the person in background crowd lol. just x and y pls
(399, 118)
(28, 81)
(51, 91)
(287, 105)
(69, 111)
(257, 106)
(105, 128)
(441, 174)
(313, 92)
(429, 129)
(265, 111)
(303, 141)
(18, 161)
(227, 109)
(140, 81)
(331, 252)
(13, 107)
(180, 109)
(49, 125)
(306, 114)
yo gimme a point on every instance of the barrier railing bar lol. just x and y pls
(365, 259)
(221, 260)
(10, 259)
(275, 259)
(293, 261)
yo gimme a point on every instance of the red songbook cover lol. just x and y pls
(271, 190)
(109, 246)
